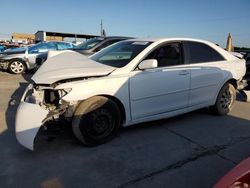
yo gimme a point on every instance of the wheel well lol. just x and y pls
(120, 106)
(233, 82)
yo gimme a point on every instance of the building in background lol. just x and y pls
(23, 38)
(41, 36)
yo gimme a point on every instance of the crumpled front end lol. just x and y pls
(37, 106)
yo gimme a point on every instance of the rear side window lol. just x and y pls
(202, 53)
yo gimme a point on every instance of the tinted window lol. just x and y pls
(48, 46)
(202, 53)
(42, 46)
(89, 44)
(108, 43)
(63, 46)
(167, 55)
(120, 54)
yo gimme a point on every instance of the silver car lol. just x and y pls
(18, 60)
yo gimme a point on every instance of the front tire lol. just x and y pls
(16, 66)
(96, 121)
(225, 100)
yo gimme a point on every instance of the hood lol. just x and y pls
(14, 51)
(67, 65)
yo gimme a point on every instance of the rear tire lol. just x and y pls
(96, 121)
(225, 100)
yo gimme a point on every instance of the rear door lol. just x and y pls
(207, 72)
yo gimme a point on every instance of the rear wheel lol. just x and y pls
(17, 66)
(225, 100)
(96, 121)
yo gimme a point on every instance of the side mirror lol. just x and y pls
(148, 64)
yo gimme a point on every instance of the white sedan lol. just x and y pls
(133, 81)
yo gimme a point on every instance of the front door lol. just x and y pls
(162, 89)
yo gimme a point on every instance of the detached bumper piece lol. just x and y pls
(29, 119)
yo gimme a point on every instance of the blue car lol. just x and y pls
(2, 48)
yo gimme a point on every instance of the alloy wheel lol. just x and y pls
(226, 100)
(17, 67)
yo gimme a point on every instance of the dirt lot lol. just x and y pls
(192, 151)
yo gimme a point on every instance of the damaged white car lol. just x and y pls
(133, 81)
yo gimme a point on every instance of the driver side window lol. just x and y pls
(167, 55)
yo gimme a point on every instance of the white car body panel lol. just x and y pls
(32, 115)
(111, 86)
(147, 93)
(143, 94)
(205, 79)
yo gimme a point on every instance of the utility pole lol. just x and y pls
(101, 28)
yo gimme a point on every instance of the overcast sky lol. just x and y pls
(206, 19)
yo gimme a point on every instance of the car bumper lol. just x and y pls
(29, 119)
(4, 64)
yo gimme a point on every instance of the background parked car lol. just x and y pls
(247, 57)
(88, 47)
(18, 60)
(2, 48)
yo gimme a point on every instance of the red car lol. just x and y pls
(238, 177)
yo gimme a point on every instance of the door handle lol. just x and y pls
(183, 72)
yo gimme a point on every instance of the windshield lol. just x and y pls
(89, 44)
(120, 54)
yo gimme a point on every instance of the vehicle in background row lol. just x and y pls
(87, 48)
(2, 48)
(18, 60)
(130, 82)
(247, 57)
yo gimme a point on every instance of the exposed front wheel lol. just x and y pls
(225, 100)
(96, 120)
(16, 67)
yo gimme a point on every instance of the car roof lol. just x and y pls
(56, 41)
(114, 37)
(169, 39)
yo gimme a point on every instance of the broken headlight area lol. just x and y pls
(48, 99)
(45, 96)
